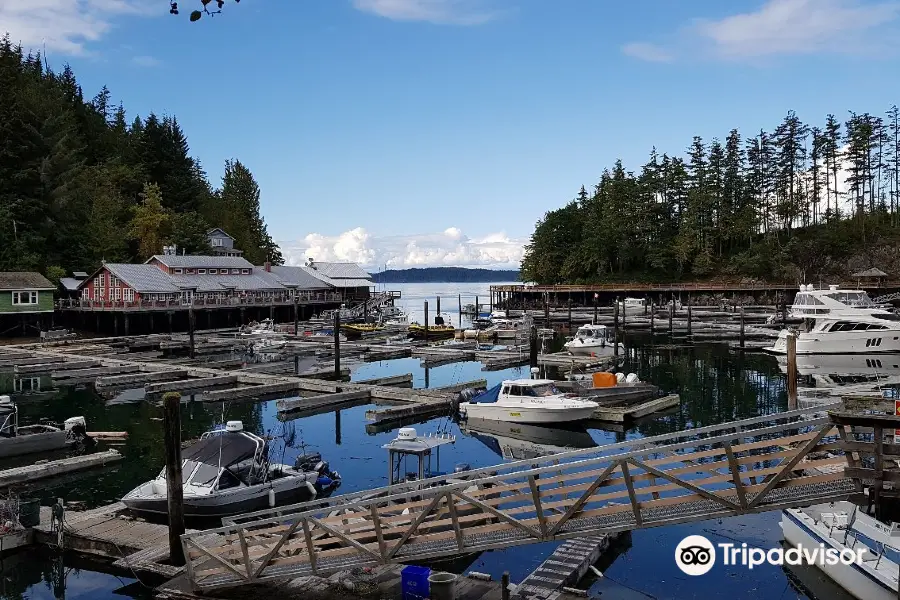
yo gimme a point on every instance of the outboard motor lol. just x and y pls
(309, 462)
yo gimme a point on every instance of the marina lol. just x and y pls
(418, 386)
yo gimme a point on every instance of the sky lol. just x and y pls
(412, 133)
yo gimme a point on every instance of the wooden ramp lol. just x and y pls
(747, 466)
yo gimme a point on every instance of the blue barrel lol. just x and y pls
(414, 583)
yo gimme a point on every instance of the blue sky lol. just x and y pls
(423, 132)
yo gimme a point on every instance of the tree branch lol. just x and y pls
(197, 14)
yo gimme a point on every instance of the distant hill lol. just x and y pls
(444, 275)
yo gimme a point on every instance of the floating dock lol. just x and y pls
(52, 468)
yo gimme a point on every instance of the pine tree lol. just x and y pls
(150, 225)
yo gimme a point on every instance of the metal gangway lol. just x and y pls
(378, 300)
(765, 463)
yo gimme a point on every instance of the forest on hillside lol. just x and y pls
(798, 203)
(444, 275)
(82, 182)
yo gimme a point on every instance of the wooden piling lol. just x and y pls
(337, 345)
(459, 301)
(504, 586)
(296, 317)
(616, 328)
(174, 489)
(570, 314)
(671, 314)
(337, 427)
(438, 307)
(533, 347)
(689, 314)
(742, 327)
(652, 316)
(594, 320)
(426, 321)
(792, 370)
(547, 310)
(191, 332)
(476, 307)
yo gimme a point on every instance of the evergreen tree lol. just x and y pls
(240, 199)
(151, 223)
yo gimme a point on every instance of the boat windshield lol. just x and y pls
(854, 299)
(195, 473)
(548, 389)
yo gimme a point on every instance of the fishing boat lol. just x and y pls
(31, 439)
(357, 330)
(228, 472)
(266, 327)
(442, 329)
(527, 401)
(844, 526)
(590, 339)
(837, 321)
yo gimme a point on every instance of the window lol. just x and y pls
(113, 281)
(213, 271)
(235, 271)
(189, 271)
(24, 297)
(86, 294)
(100, 279)
(227, 480)
(245, 271)
(101, 294)
(201, 271)
(115, 294)
(178, 271)
(217, 242)
(128, 294)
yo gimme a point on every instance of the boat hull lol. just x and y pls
(841, 342)
(291, 490)
(34, 443)
(854, 579)
(525, 414)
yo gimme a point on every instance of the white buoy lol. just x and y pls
(271, 497)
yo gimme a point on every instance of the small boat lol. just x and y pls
(31, 439)
(840, 321)
(843, 526)
(357, 330)
(227, 472)
(266, 327)
(527, 401)
(590, 339)
(442, 329)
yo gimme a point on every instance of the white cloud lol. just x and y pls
(66, 26)
(797, 27)
(146, 61)
(782, 28)
(648, 52)
(450, 248)
(443, 12)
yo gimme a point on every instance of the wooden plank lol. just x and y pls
(635, 505)
(736, 476)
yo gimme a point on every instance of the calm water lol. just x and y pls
(715, 386)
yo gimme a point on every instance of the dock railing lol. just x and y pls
(200, 302)
(765, 463)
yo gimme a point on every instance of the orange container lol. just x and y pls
(603, 380)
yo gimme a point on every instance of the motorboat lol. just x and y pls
(17, 440)
(590, 339)
(837, 321)
(393, 317)
(844, 526)
(228, 472)
(266, 327)
(442, 329)
(527, 401)
(357, 330)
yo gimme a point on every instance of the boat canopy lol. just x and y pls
(234, 447)
(488, 397)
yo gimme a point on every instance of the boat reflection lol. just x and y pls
(519, 441)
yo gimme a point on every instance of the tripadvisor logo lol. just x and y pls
(696, 555)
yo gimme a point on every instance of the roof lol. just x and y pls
(218, 231)
(298, 277)
(529, 382)
(24, 280)
(143, 278)
(232, 262)
(340, 270)
(352, 283)
(70, 284)
(220, 283)
(79, 275)
(870, 273)
(223, 449)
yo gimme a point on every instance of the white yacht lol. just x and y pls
(590, 339)
(527, 401)
(840, 322)
(842, 526)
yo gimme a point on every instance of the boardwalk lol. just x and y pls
(760, 464)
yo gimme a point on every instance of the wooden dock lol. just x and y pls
(53, 468)
(626, 412)
(565, 567)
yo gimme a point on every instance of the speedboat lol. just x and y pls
(227, 472)
(840, 322)
(589, 339)
(527, 401)
(30, 439)
(842, 526)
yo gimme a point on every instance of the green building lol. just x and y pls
(25, 292)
